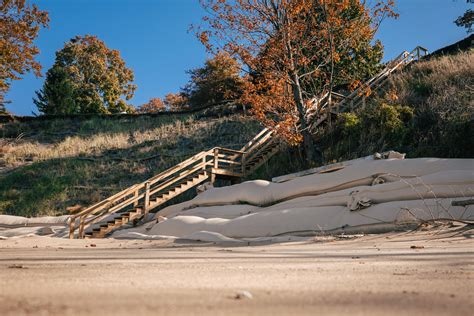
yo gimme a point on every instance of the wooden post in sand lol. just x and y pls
(81, 227)
(71, 223)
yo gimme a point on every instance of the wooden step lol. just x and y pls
(188, 174)
(256, 164)
(168, 195)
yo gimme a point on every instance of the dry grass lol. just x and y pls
(50, 166)
(47, 166)
(426, 110)
(15, 153)
(444, 84)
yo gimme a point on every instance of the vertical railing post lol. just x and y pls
(71, 222)
(215, 165)
(135, 195)
(81, 227)
(243, 164)
(204, 162)
(216, 158)
(146, 205)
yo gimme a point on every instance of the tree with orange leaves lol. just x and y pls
(291, 49)
(155, 105)
(176, 101)
(19, 26)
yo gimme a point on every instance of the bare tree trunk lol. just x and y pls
(331, 79)
(309, 149)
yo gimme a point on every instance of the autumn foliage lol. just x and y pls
(176, 101)
(155, 105)
(291, 49)
(20, 23)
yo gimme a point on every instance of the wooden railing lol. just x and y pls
(147, 195)
(139, 193)
(336, 102)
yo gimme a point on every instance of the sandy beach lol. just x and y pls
(423, 272)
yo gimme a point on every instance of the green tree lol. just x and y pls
(57, 95)
(219, 80)
(19, 26)
(87, 77)
(466, 20)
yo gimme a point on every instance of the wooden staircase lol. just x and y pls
(322, 108)
(134, 203)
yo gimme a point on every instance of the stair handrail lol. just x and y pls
(138, 186)
(232, 157)
(133, 194)
(256, 137)
(402, 59)
(259, 141)
(99, 217)
(134, 189)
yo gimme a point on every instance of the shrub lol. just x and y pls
(427, 110)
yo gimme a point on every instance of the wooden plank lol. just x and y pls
(196, 181)
(230, 162)
(127, 202)
(251, 142)
(100, 205)
(227, 150)
(251, 156)
(265, 158)
(147, 198)
(181, 176)
(179, 166)
(225, 172)
(259, 143)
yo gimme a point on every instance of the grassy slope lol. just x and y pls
(47, 166)
(51, 165)
(427, 110)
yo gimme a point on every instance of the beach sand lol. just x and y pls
(423, 272)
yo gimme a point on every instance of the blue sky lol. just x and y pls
(153, 38)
